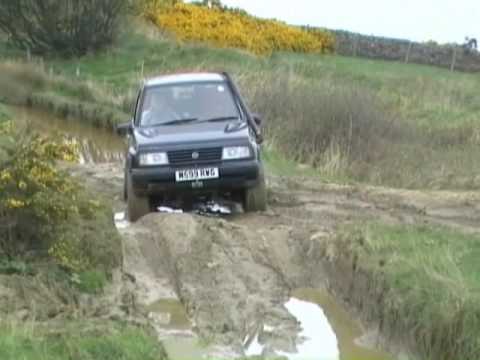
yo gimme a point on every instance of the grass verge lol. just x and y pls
(422, 283)
(80, 342)
(4, 114)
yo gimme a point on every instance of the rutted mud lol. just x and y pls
(234, 275)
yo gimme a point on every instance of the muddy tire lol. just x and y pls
(137, 206)
(255, 199)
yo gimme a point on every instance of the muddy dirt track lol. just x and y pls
(235, 274)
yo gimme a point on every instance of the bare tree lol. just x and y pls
(470, 45)
(68, 27)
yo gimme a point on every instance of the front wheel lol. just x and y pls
(255, 198)
(137, 206)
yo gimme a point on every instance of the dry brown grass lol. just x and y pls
(348, 132)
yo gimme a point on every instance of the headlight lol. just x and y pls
(236, 152)
(153, 159)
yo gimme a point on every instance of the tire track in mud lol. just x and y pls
(233, 275)
(230, 278)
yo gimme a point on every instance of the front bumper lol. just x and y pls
(233, 175)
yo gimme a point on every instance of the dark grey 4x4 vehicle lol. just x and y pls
(192, 136)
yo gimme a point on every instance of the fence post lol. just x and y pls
(29, 54)
(407, 56)
(355, 45)
(454, 59)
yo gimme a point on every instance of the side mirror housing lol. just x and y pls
(258, 119)
(124, 129)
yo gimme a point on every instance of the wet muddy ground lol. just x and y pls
(236, 276)
(254, 284)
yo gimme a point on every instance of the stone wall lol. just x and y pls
(453, 57)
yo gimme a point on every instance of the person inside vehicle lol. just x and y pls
(159, 109)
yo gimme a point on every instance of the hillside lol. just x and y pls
(410, 125)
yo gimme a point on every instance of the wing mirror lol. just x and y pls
(124, 129)
(258, 119)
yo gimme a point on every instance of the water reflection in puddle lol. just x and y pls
(328, 333)
(121, 221)
(317, 338)
(328, 330)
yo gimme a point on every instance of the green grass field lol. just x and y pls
(384, 123)
(428, 96)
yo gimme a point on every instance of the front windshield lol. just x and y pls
(180, 102)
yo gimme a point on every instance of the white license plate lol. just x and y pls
(196, 174)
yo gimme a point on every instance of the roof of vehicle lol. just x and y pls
(184, 78)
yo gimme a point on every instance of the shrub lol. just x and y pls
(228, 28)
(44, 210)
(68, 27)
(34, 195)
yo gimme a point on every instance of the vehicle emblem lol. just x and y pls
(195, 155)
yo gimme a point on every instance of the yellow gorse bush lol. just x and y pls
(35, 195)
(68, 254)
(31, 171)
(15, 204)
(235, 29)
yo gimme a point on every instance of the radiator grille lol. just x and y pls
(195, 156)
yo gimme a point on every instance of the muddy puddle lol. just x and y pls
(326, 323)
(171, 314)
(176, 332)
(326, 333)
(95, 146)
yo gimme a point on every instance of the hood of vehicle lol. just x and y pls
(193, 133)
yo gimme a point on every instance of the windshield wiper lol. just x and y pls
(177, 121)
(221, 118)
(189, 120)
